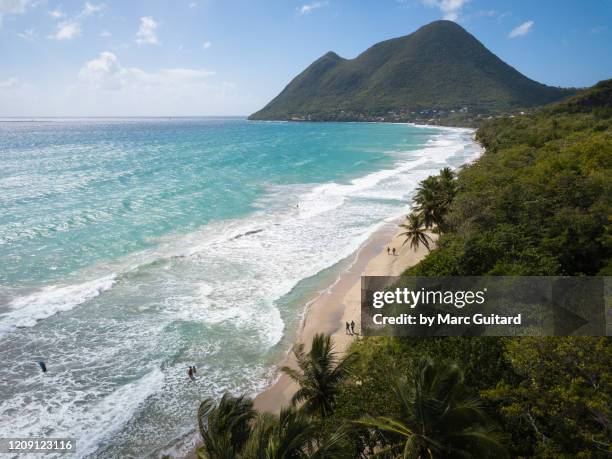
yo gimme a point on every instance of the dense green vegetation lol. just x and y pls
(538, 202)
(438, 71)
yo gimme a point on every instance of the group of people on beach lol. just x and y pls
(389, 251)
(350, 328)
(191, 372)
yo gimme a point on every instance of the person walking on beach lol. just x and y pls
(352, 327)
(393, 251)
(348, 329)
(388, 251)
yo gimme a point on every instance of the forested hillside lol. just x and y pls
(439, 71)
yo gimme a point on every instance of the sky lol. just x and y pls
(230, 57)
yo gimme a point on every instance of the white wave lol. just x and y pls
(327, 197)
(218, 282)
(114, 411)
(64, 412)
(27, 310)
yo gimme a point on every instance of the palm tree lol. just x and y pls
(448, 188)
(320, 373)
(416, 231)
(287, 436)
(427, 200)
(225, 428)
(434, 196)
(447, 175)
(440, 420)
(293, 434)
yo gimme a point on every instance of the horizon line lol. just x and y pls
(33, 117)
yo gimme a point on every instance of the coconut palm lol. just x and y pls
(440, 420)
(434, 196)
(224, 427)
(448, 188)
(428, 201)
(447, 175)
(288, 436)
(293, 435)
(319, 376)
(416, 231)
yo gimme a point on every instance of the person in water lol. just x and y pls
(190, 373)
(42, 366)
(352, 327)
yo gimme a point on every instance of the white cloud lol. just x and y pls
(193, 5)
(66, 31)
(106, 72)
(450, 8)
(206, 45)
(103, 71)
(147, 31)
(521, 30)
(309, 7)
(27, 35)
(90, 9)
(106, 87)
(56, 13)
(71, 28)
(105, 34)
(9, 84)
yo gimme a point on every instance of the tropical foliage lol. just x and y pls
(429, 412)
(416, 231)
(320, 374)
(225, 427)
(537, 202)
(431, 203)
(440, 418)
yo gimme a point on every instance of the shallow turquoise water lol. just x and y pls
(74, 193)
(133, 248)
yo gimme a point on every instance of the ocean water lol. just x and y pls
(132, 248)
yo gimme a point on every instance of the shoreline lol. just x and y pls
(339, 303)
(328, 310)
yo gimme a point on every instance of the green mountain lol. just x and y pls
(439, 68)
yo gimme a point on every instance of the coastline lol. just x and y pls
(338, 304)
(341, 303)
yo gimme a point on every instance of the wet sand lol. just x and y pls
(339, 304)
(329, 312)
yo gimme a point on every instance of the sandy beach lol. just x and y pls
(341, 303)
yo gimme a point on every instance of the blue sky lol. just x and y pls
(230, 57)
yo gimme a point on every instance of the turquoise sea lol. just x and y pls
(133, 248)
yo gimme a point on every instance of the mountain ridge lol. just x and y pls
(438, 68)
